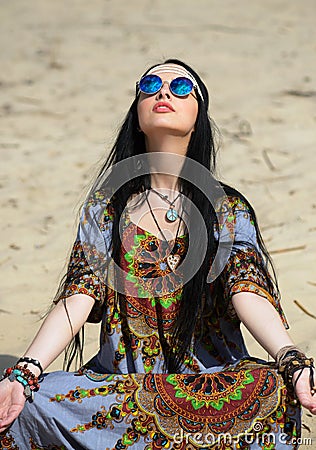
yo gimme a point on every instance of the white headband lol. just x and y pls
(163, 68)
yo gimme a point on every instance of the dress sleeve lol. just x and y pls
(246, 269)
(86, 271)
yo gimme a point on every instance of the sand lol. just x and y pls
(67, 79)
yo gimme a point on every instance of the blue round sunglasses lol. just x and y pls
(151, 84)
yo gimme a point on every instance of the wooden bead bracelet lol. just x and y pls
(24, 376)
(33, 361)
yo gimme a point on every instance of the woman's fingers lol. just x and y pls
(308, 402)
(12, 401)
(8, 417)
(303, 390)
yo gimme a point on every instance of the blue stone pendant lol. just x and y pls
(171, 215)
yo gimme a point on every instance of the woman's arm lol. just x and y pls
(262, 320)
(264, 323)
(56, 332)
(52, 338)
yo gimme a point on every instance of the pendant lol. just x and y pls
(173, 261)
(171, 215)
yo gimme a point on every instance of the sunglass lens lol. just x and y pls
(150, 84)
(181, 86)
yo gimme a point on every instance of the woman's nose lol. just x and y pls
(164, 90)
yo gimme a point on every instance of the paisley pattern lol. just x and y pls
(121, 398)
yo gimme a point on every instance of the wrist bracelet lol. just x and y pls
(33, 361)
(24, 376)
(289, 360)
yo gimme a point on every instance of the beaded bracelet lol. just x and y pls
(33, 361)
(289, 360)
(24, 376)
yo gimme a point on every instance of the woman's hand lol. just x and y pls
(50, 341)
(303, 390)
(12, 401)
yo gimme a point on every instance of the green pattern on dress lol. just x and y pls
(216, 404)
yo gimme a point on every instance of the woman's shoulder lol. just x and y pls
(232, 201)
(231, 204)
(98, 197)
(235, 215)
(99, 201)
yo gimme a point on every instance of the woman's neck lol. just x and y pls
(166, 157)
(164, 182)
(167, 143)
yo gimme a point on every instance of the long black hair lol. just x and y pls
(196, 298)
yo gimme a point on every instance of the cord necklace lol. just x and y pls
(173, 259)
(172, 214)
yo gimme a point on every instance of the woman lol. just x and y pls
(171, 262)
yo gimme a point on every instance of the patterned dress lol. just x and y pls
(122, 398)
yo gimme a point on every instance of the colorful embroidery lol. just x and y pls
(82, 280)
(245, 272)
(119, 386)
(198, 389)
(151, 349)
(7, 442)
(148, 272)
(227, 210)
(35, 446)
(230, 401)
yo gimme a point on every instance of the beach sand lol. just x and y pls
(68, 71)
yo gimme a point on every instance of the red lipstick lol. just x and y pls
(163, 107)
